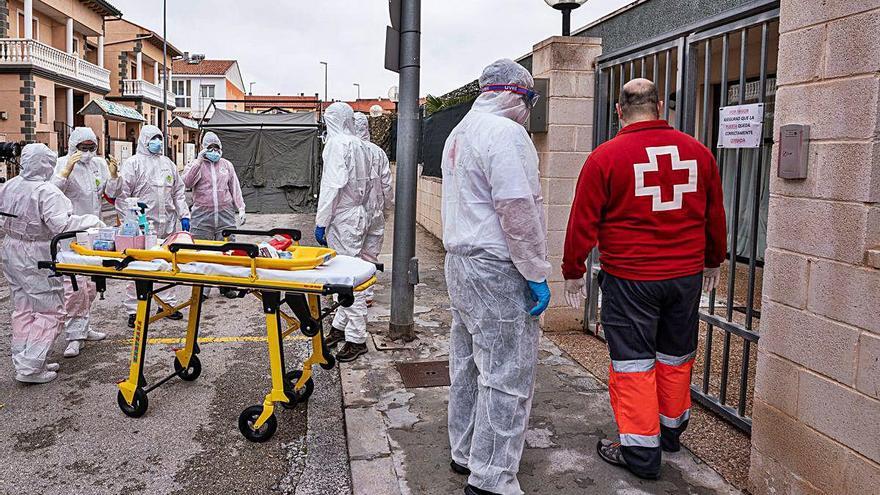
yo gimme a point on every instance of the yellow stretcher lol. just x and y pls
(257, 423)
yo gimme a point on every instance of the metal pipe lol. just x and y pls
(404, 272)
(566, 21)
(666, 76)
(643, 67)
(656, 68)
(707, 141)
(326, 69)
(611, 113)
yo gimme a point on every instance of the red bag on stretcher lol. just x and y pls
(280, 242)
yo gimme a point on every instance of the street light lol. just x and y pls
(566, 6)
(326, 68)
(359, 90)
(251, 87)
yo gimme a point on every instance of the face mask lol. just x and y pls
(155, 146)
(87, 156)
(213, 156)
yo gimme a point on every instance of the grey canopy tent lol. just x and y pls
(276, 157)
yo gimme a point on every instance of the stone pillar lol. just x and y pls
(101, 51)
(69, 115)
(568, 62)
(29, 19)
(816, 408)
(68, 32)
(139, 64)
(156, 73)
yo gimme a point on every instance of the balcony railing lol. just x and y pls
(15, 51)
(147, 91)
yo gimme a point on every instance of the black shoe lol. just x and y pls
(350, 351)
(668, 446)
(131, 319)
(459, 469)
(472, 490)
(177, 315)
(228, 292)
(336, 336)
(610, 452)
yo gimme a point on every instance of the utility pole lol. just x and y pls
(165, 74)
(404, 265)
(358, 86)
(326, 69)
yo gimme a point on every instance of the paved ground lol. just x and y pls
(397, 437)
(69, 437)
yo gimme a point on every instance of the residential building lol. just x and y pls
(196, 81)
(135, 54)
(51, 65)
(279, 103)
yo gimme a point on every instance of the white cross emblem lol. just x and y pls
(678, 190)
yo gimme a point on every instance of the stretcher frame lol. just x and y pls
(257, 423)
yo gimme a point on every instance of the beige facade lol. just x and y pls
(50, 67)
(817, 398)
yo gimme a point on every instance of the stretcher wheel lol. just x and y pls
(138, 405)
(191, 372)
(295, 397)
(246, 421)
(331, 362)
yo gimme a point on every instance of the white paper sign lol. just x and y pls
(741, 126)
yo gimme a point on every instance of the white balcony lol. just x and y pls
(148, 91)
(27, 52)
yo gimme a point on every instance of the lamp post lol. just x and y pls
(566, 6)
(251, 87)
(359, 89)
(326, 68)
(165, 74)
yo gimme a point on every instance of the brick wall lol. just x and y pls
(4, 18)
(28, 108)
(816, 427)
(568, 63)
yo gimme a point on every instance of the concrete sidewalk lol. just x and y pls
(397, 438)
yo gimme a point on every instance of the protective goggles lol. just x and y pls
(529, 97)
(87, 147)
(213, 147)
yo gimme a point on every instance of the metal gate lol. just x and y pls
(698, 72)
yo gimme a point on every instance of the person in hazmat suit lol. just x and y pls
(217, 200)
(494, 231)
(152, 177)
(343, 217)
(84, 178)
(381, 199)
(41, 211)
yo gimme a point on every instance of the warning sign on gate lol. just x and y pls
(741, 126)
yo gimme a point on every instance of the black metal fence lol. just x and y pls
(698, 73)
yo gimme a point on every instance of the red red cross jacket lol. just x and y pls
(652, 199)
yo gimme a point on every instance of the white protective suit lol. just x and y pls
(495, 237)
(37, 299)
(217, 199)
(381, 198)
(342, 206)
(85, 187)
(154, 180)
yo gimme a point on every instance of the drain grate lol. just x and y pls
(424, 374)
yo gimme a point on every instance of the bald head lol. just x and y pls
(638, 101)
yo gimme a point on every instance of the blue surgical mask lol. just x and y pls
(155, 146)
(213, 156)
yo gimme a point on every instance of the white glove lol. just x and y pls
(710, 278)
(242, 217)
(575, 290)
(113, 166)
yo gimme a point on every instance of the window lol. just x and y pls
(75, 45)
(35, 24)
(182, 92)
(41, 111)
(206, 91)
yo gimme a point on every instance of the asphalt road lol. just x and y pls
(69, 436)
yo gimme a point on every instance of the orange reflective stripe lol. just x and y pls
(674, 388)
(634, 400)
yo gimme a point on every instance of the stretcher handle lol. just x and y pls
(251, 249)
(294, 234)
(53, 247)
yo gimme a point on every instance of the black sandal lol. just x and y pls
(610, 452)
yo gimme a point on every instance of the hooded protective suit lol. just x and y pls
(85, 187)
(217, 198)
(342, 206)
(495, 237)
(381, 198)
(153, 179)
(43, 212)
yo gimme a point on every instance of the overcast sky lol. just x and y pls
(278, 44)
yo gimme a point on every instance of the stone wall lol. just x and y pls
(568, 63)
(816, 410)
(430, 196)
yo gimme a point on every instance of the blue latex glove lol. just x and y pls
(320, 233)
(541, 295)
(184, 224)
